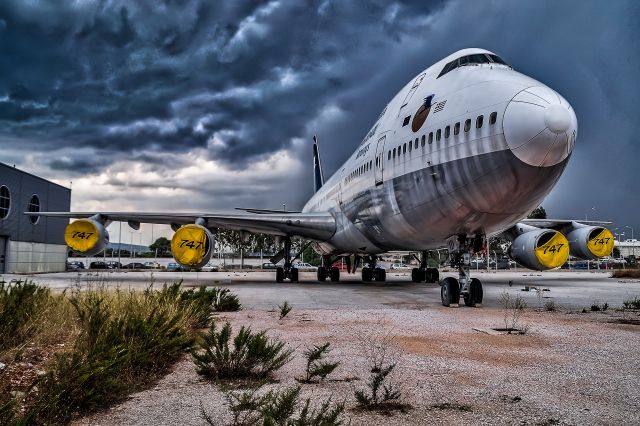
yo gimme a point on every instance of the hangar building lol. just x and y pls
(30, 243)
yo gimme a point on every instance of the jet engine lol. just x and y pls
(86, 236)
(590, 242)
(540, 249)
(192, 246)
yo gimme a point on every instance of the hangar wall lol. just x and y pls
(29, 244)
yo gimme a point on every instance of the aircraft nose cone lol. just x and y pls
(540, 127)
(557, 119)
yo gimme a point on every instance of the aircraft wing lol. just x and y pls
(559, 224)
(316, 225)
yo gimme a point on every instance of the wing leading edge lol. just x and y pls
(316, 226)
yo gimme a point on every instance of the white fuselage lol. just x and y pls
(493, 144)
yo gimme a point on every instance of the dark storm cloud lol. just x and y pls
(118, 80)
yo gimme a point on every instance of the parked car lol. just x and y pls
(175, 267)
(269, 265)
(98, 264)
(209, 268)
(398, 266)
(74, 265)
(303, 266)
(341, 264)
(113, 264)
(151, 265)
(134, 265)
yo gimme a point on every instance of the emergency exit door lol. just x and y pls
(379, 163)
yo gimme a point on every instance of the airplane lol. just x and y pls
(464, 151)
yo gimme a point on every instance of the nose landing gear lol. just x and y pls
(469, 288)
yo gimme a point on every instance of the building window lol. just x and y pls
(431, 137)
(423, 140)
(5, 202)
(447, 131)
(467, 125)
(493, 117)
(438, 135)
(456, 128)
(479, 121)
(34, 207)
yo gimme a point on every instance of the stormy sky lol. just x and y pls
(202, 105)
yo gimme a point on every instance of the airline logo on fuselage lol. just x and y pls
(422, 113)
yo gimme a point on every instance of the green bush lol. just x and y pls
(285, 308)
(278, 407)
(632, 303)
(7, 412)
(20, 303)
(205, 300)
(316, 367)
(252, 355)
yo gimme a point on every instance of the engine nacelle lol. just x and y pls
(590, 242)
(540, 249)
(86, 236)
(192, 246)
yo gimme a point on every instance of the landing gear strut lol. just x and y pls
(288, 271)
(424, 273)
(469, 288)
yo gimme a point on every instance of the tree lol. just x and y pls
(163, 246)
(538, 213)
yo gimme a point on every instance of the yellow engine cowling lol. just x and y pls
(590, 242)
(192, 246)
(540, 249)
(86, 236)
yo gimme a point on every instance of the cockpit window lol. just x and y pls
(477, 58)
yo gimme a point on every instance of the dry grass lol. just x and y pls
(626, 273)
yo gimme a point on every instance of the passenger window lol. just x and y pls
(447, 131)
(493, 117)
(410, 145)
(479, 121)
(416, 143)
(389, 155)
(456, 128)
(371, 164)
(467, 125)
(394, 153)
(438, 135)
(406, 120)
(423, 140)
(404, 149)
(430, 137)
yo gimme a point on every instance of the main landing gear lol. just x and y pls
(424, 273)
(372, 272)
(324, 271)
(469, 288)
(369, 273)
(288, 271)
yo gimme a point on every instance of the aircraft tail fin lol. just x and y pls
(318, 177)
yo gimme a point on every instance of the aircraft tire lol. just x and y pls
(294, 275)
(279, 275)
(335, 274)
(432, 275)
(367, 275)
(416, 275)
(322, 273)
(381, 275)
(449, 291)
(475, 290)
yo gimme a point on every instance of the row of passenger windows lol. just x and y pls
(402, 149)
(5, 204)
(360, 171)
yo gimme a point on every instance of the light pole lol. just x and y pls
(633, 243)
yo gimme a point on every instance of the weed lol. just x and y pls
(513, 309)
(595, 307)
(626, 273)
(205, 300)
(550, 306)
(252, 355)
(278, 407)
(7, 412)
(285, 308)
(632, 303)
(20, 303)
(380, 394)
(452, 406)
(316, 367)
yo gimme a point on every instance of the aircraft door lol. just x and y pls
(379, 161)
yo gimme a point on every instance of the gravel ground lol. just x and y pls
(569, 368)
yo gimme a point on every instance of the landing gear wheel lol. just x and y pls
(417, 275)
(432, 275)
(335, 274)
(475, 293)
(279, 274)
(449, 291)
(367, 275)
(381, 275)
(294, 275)
(322, 273)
